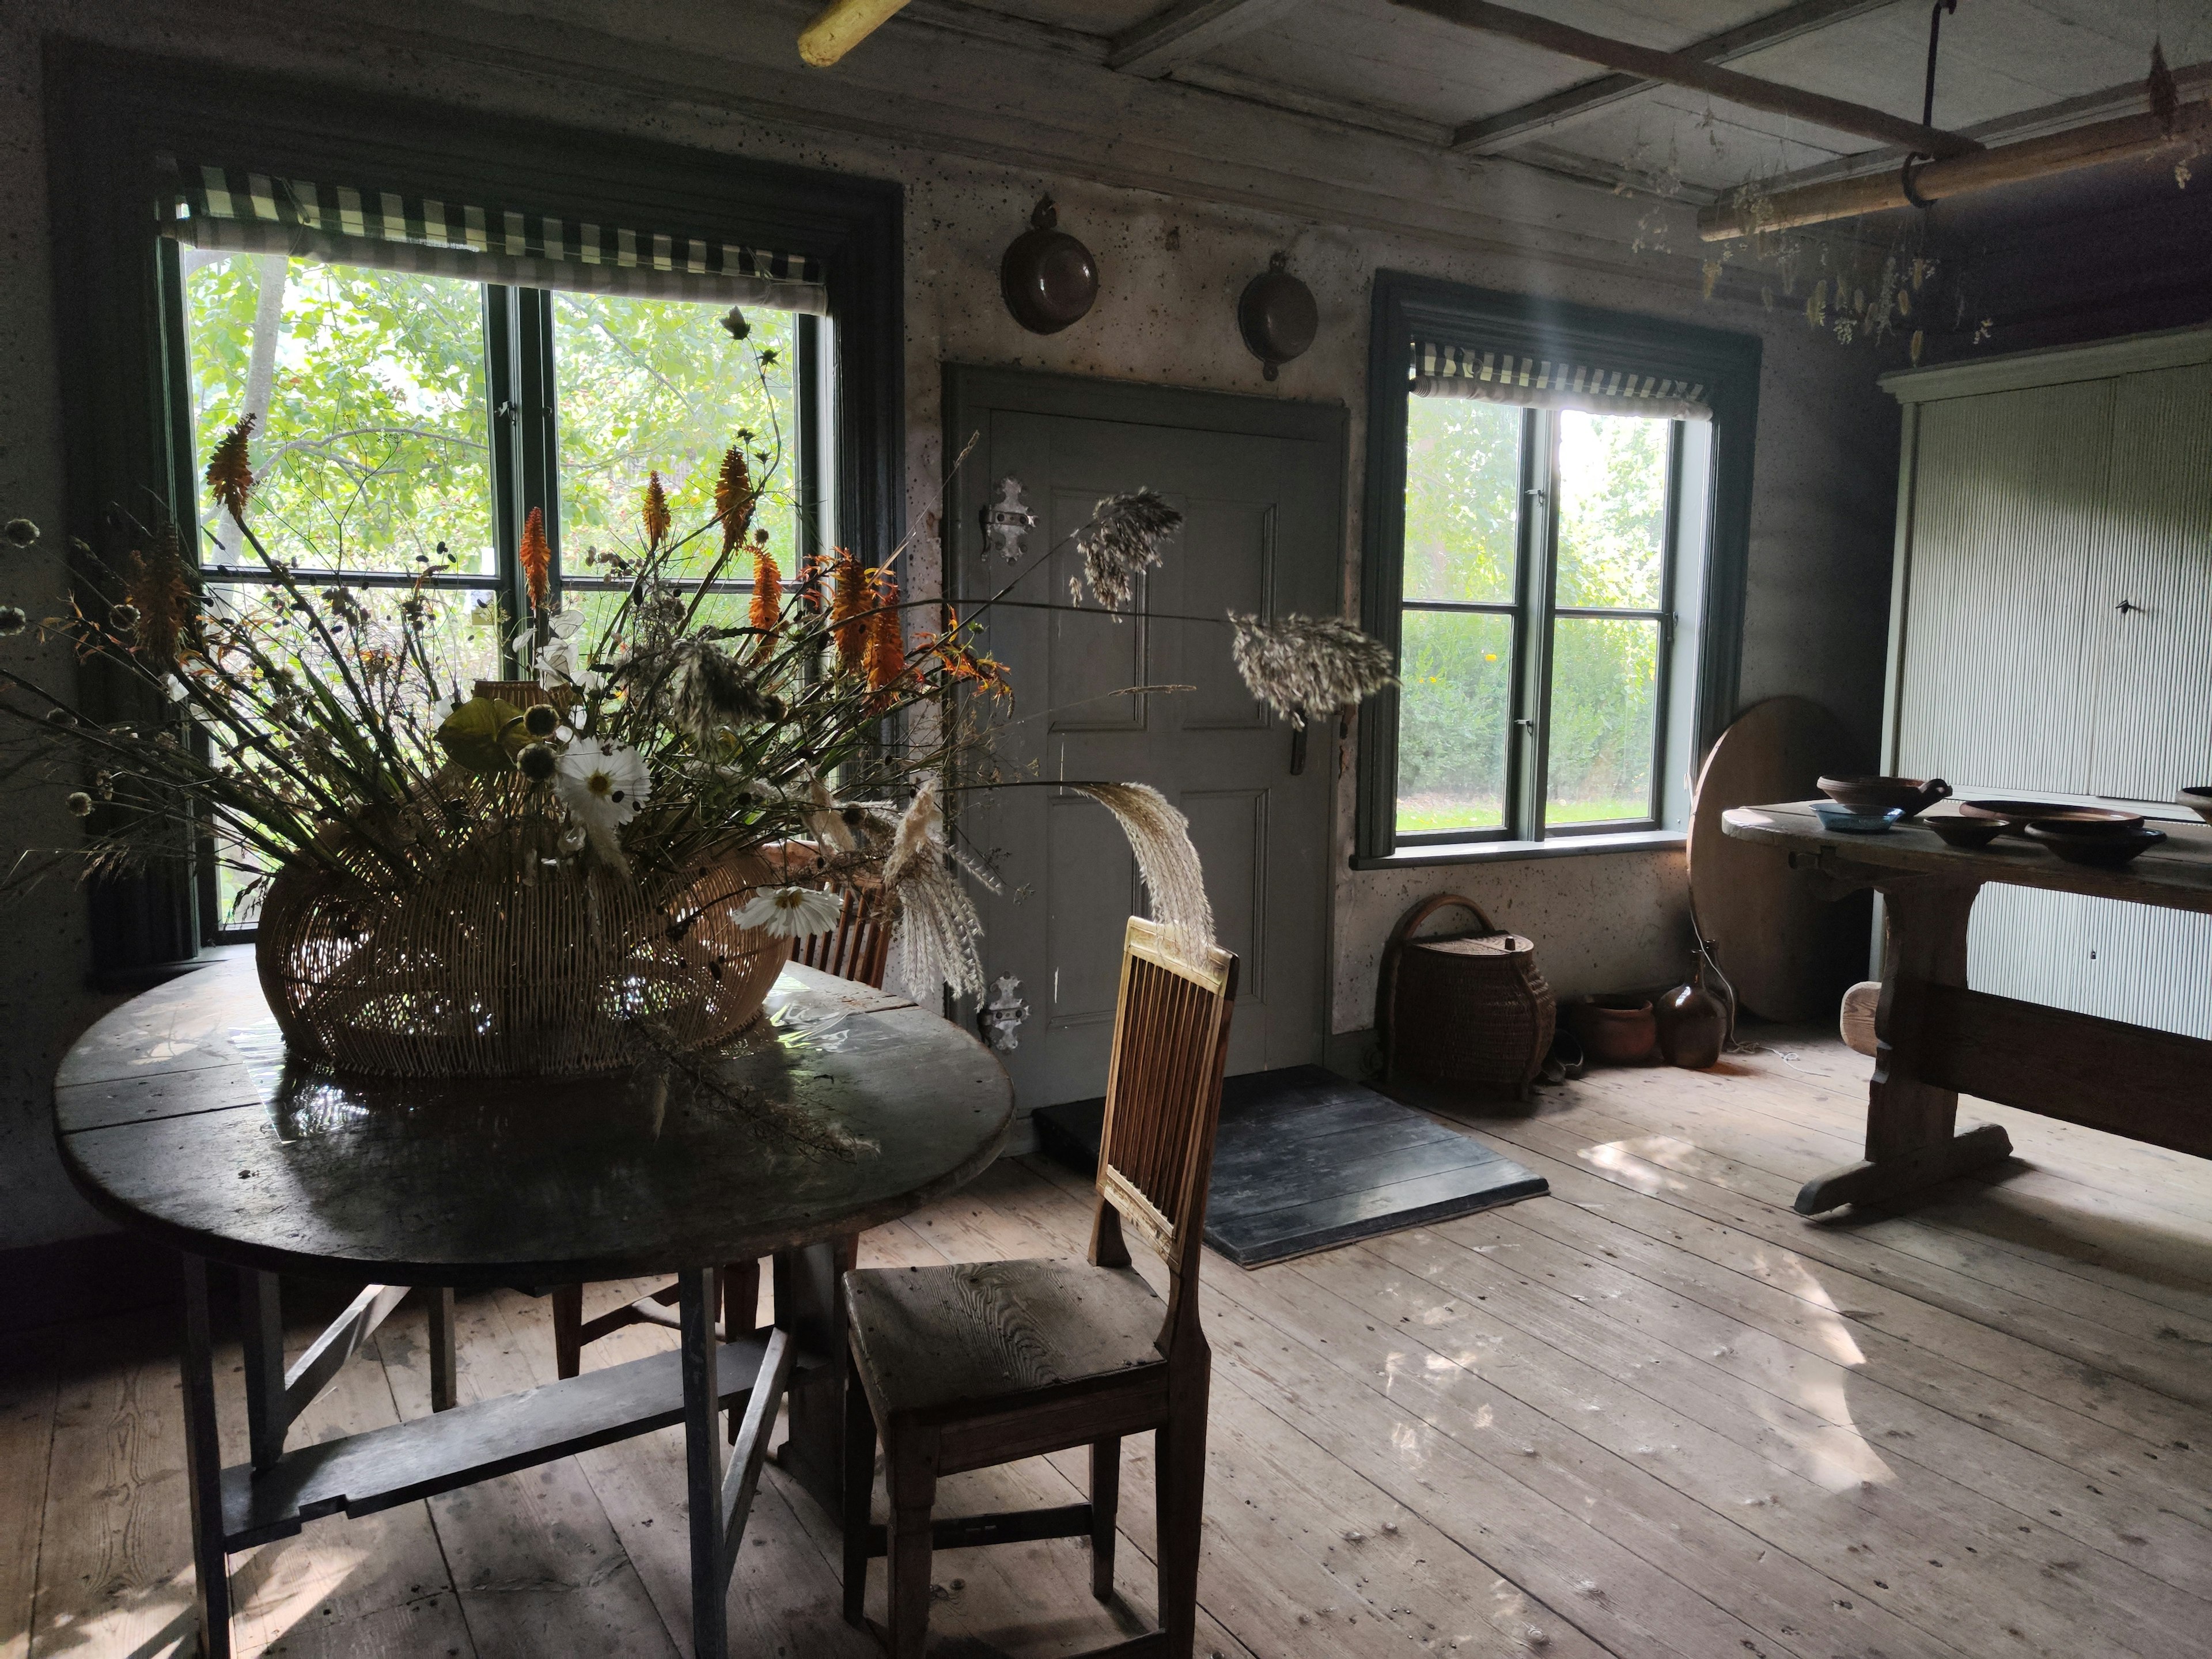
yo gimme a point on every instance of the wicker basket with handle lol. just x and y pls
(1467, 1009)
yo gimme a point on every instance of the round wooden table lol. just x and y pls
(179, 1116)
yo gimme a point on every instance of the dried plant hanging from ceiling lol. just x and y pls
(1490, 375)
(236, 210)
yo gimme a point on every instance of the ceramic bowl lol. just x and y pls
(2102, 847)
(1834, 815)
(2015, 815)
(1911, 796)
(2198, 799)
(1619, 1031)
(1958, 830)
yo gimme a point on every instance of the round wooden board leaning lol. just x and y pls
(1788, 952)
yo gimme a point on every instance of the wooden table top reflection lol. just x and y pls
(179, 1114)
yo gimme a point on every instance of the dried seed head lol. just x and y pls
(19, 532)
(1122, 542)
(12, 619)
(537, 761)
(540, 718)
(1309, 664)
(80, 804)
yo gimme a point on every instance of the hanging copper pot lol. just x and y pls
(1277, 316)
(1048, 278)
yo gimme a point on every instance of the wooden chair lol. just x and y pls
(858, 948)
(966, 1367)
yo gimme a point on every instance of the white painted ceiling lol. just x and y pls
(2007, 68)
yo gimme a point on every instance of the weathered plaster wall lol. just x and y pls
(1181, 195)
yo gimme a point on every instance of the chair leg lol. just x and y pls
(860, 1477)
(910, 1473)
(1105, 1505)
(568, 1330)
(1180, 1478)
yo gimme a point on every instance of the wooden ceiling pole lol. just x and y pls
(2129, 138)
(1677, 70)
(841, 26)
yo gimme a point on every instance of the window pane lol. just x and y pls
(659, 385)
(1612, 509)
(1463, 499)
(1605, 694)
(1453, 712)
(372, 446)
(455, 631)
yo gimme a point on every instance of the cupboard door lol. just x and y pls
(2008, 504)
(2152, 732)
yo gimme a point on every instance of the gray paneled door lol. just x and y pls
(1259, 484)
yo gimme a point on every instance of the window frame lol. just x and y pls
(522, 418)
(1407, 308)
(126, 409)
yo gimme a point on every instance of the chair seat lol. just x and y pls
(941, 1343)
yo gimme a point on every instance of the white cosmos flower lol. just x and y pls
(602, 784)
(792, 912)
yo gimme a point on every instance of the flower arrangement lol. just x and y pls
(665, 794)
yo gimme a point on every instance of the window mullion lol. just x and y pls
(507, 511)
(1539, 599)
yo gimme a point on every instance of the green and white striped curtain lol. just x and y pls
(236, 210)
(1506, 377)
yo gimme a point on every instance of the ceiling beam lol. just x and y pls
(1189, 29)
(1489, 134)
(2129, 138)
(1678, 69)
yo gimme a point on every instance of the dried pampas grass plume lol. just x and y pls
(1309, 664)
(1121, 543)
(1160, 837)
(937, 926)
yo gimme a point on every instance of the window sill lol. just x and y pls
(1486, 852)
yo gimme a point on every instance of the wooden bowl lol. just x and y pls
(2014, 817)
(1911, 796)
(1958, 830)
(2198, 799)
(2098, 847)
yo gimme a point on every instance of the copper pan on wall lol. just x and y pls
(1050, 280)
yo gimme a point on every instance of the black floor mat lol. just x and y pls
(1305, 1160)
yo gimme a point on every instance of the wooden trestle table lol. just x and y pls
(179, 1116)
(1937, 1038)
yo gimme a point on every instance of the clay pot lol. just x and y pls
(1616, 1031)
(1692, 1026)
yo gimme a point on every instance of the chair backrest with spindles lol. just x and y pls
(1163, 1092)
(858, 947)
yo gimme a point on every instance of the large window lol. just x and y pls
(1555, 536)
(409, 424)
(1533, 650)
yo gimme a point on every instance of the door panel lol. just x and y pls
(2153, 731)
(2009, 507)
(1259, 484)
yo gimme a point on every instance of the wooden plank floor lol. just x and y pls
(1654, 1414)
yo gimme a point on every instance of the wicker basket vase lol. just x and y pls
(575, 971)
(1468, 1010)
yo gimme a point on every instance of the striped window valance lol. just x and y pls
(1508, 377)
(239, 210)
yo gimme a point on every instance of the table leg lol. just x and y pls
(1912, 1136)
(444, 1354)
(809, 1304)
(261, 1317)
(702, 1465)
(203, 1467)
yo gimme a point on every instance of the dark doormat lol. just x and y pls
(1305, 1161)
